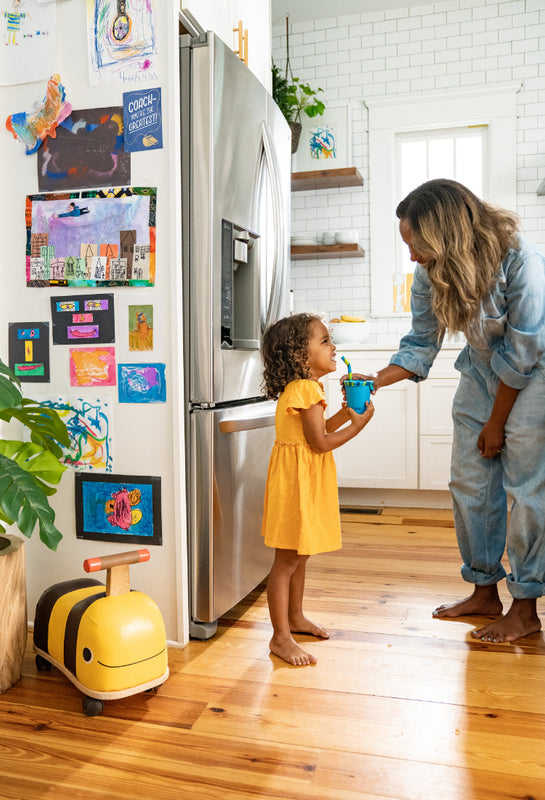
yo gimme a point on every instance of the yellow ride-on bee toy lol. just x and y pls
(108, 640)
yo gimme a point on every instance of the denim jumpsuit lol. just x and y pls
(507, 343)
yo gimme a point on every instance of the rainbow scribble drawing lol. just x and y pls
(92, 366)
(31, 128)
(90, 431)
(322, 142)
(121, 41)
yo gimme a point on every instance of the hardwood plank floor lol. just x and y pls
(400, 706)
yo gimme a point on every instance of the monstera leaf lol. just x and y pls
(28, 469)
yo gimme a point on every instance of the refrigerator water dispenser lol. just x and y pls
(240, 323)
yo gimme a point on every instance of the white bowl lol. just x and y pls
(349, 332)
(350, 236)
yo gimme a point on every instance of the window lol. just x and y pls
(468, 136)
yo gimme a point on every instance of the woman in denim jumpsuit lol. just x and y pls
(499, 406)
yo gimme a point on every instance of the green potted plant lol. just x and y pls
(294, 97)
(29, 470)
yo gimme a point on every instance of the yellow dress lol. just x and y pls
(301, 510)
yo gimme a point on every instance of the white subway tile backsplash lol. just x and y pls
(438, 46)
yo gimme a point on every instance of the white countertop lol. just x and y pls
(391, 343)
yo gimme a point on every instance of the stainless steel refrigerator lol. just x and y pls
(236, 157)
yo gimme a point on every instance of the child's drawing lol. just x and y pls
(142, 383)
(322, 142)
(27, 41)
(121, 41)
(141, 327)
(97, 237)
(92, 366)
(31, 128)
(89, 427)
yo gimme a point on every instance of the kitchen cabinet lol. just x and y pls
(223, 17)
(407, 444)
(385, 453)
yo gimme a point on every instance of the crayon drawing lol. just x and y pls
(92, 366)
(142, 383)
(96, 237)
(90, 430)
(27, 41)
(87, 151)
(121, 41)
(141, 327)
(118, 508)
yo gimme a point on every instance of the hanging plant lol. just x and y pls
(294, 97)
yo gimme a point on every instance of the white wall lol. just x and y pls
(147, 438)
(438, 46)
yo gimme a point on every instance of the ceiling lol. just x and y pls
(303, 10)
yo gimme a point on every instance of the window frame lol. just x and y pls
(495, 108)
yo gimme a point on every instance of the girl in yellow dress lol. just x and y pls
(301, 511)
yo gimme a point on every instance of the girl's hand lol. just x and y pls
(361, 420)
(491, 439)
(358, 377)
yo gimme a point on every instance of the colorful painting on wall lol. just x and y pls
(142, 383)
(90, 430)
(84, 317)
(118, 508)
(28, 344)
(92, 366)
(100, 237)
(121, 41)
(28, 41)
(87, 151)
(325, 141)
(32, 127)
(141, 327)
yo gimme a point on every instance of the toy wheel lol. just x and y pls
(153, 690)
(92, 706)
(42, 664)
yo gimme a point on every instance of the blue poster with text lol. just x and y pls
(142, 120)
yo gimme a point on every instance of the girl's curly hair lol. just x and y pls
(285, 352)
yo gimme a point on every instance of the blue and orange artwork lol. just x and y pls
(31, 127)
(90, 430)
(141, 383)
(322, 142)
(29, 351)
(88, 150)
(118, 508)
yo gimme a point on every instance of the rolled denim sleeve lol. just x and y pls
(523, 342)
(419, 347)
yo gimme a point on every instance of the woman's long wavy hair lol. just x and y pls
(463, 241)
(285, 352)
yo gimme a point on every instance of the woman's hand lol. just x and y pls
(491, 439)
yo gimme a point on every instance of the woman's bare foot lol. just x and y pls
(521, 620)
(485, 601)
(301, 624)
(288, 649)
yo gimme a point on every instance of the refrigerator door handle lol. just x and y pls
(248, 424)
(279, 262)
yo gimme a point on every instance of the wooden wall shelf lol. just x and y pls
(326, 179)
(298, 252)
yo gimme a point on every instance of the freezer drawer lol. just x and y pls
(230, 452)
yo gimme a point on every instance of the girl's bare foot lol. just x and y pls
(303, 625)
(521, 620)
(288, 649)
(485, 601)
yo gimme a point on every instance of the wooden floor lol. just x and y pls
(399, 705)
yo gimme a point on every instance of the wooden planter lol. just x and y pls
(13, 610)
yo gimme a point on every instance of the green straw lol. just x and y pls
(349, 367)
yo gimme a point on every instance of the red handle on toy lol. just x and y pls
(107, 562)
